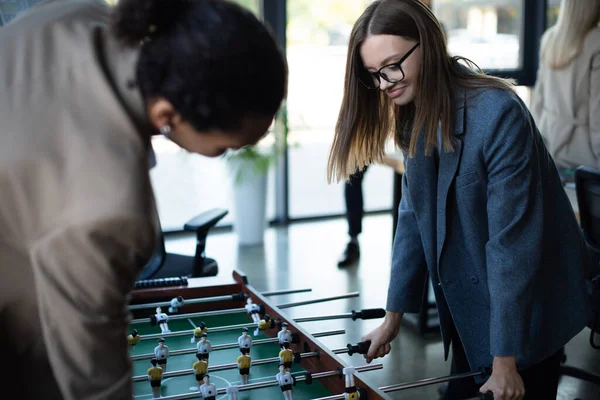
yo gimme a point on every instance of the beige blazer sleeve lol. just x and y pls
(537, 95)
(83, 275)
(595, 105)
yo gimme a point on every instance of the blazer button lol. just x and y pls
(474, 280)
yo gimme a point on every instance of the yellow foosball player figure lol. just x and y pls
(244, 361)
(155, 376)
(133, 338)
(200, 367)
(264, 324)
(286, 356)
(198, 331)
(286, 380)
(351, 392)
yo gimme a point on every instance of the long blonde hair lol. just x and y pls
(367, 119)
(563, 42)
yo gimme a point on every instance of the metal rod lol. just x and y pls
(299, 378)
(148, 356)
(239, 326)
(201, 300)
(323, 317)
(191, 331)
(195, 315)
(324, 299)
(427, 381)
(228, 297)
(240, 310)
(221, 367)
(282, 292)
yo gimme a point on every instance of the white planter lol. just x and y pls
(250, 205)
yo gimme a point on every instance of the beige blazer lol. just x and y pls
(76, 204)
(566, 107)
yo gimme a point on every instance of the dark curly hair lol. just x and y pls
(212, 59)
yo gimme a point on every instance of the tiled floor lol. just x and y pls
(304, 255)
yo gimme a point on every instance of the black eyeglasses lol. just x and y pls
(392, 73)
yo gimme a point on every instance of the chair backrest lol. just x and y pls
(587, 186)
(158, 257)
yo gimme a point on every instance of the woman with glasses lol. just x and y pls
(84, 88)
(483, 209)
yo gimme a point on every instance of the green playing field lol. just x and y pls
(187, 384)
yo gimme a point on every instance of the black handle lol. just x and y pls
(359, 348)
(370, 313)
(486, 396)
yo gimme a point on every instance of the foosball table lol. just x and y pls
(216, 338)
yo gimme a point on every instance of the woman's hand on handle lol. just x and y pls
(382, 336)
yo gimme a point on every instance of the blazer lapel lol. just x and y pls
(421, 177)
(449, 163)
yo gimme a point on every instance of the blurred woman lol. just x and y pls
(566, 99)
(84, 87)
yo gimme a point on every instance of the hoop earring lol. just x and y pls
(165, 131)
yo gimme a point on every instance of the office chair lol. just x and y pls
(587, 187)
(163, 265)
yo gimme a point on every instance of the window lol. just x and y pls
(488, 33)
(187, 184)
(552, 12)
(317, 40)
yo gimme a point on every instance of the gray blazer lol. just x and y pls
(498, 234)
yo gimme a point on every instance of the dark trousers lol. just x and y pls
(353, 196)
(541, 379)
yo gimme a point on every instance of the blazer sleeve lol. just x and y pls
(407, 280)
(595, 106)
(83, 277)
(515, 221)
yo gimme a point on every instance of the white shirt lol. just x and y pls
(284, 379)
(161, 318)
(252, 307)
(161, 353)
(208, 390)
(204, 346)
(245, 341)
(284, 336)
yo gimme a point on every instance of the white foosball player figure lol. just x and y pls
(176, 304)
(253, 310)
(232, 392)
(284, 335)
(285, 380)
(203, 347)
(208, 390)
(351, 392)
(161, 353)
(161, 320)
(245, 342)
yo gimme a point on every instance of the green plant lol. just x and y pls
(257, 160)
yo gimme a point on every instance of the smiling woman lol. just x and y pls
(388, 32)
(483, 211)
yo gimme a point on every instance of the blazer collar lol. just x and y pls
(460, 113)
(120, 66)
